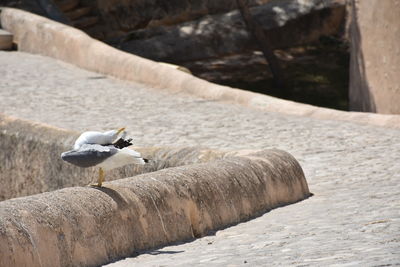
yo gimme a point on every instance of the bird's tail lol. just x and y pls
(135, 158)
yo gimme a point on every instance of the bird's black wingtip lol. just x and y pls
(121, 143)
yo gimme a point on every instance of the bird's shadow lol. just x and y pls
(153, 252)
(115, 195)
(158, 252)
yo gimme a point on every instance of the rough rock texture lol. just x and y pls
(92, 226)
(39, 35)
(286, 22)
(375, 56)
(128, 15)
(111, 19)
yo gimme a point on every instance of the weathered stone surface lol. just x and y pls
(85, 226)
(286, 22)
(31, 158)
(375, 56)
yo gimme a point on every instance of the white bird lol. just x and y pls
(107, 150)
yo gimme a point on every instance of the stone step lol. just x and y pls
(78, 13)
(6, 40)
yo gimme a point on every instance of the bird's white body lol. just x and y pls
(92, 137)
(123, 157)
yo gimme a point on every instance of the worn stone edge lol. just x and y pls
(38, 35)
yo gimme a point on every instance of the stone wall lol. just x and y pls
(287, 23)
(128, 15)
(375, 56)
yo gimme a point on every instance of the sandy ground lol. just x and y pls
(354, 171)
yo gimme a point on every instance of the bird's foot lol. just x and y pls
(95, 185)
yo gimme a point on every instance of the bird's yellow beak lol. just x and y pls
(120, 130)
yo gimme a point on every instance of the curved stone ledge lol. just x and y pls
(84, 226)
(39, 35)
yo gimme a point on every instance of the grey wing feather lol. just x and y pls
(89, 155)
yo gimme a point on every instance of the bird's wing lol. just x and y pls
(97, 148)
(90, 137)
(89, 155)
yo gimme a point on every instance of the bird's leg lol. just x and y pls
(101, 177)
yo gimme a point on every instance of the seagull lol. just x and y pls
(106, 150)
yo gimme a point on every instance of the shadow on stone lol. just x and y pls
(117, 197)
(157, 252)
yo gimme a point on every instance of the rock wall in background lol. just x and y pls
(375, 56)
(287, 23)
(128, 15)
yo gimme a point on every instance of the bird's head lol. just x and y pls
(115, 134)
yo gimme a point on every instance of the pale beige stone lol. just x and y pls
(375, 56)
